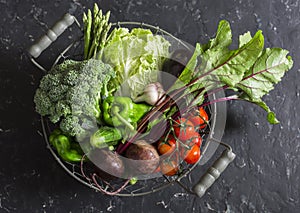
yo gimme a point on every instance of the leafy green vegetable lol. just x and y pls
(136, 56)
(228, 66)
(222, 39)
(250, 70)
(244, 39)
(70, 94)
(187, 73)
(260, 79)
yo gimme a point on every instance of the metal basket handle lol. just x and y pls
(52, 34)
(213, 173)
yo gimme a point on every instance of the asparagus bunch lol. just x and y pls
(96, 27)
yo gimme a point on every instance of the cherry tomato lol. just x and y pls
(196, 139)
(166, 147)
(183, 129)
(195, 119)
(199, 119)
(169, 167)
(192, 155)
(204, 117)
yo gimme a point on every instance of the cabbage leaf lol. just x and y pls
(136, 56)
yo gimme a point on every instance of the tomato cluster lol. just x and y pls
(183, 143)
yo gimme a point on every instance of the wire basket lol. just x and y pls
(212, 139)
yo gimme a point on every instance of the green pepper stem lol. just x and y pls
(115, 111)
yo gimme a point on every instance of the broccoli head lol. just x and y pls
(71, 93)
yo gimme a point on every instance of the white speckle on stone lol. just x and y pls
(110, 207)
(162, 203)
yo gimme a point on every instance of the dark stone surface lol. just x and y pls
(265, 177)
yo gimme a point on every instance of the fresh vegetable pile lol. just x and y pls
(112, 109)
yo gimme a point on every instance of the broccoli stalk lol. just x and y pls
(70, 95)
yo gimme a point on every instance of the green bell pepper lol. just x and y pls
(122, 111)
(67, 149)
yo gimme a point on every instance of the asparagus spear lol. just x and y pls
(96, 28)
